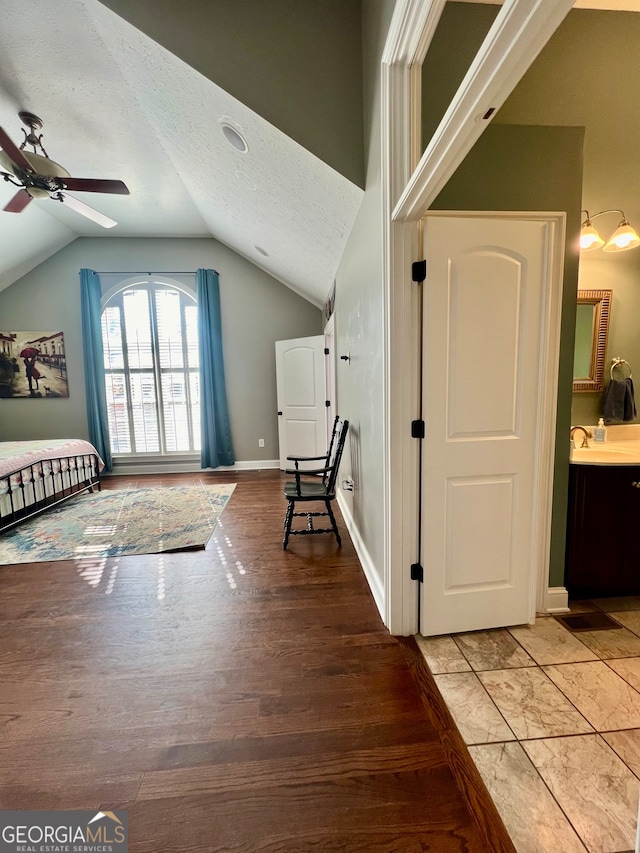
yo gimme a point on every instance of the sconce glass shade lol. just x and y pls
(589, 238)
(622, 239)
(41, 166)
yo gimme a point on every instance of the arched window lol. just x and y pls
(150, 340)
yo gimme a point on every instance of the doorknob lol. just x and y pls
(279, 413)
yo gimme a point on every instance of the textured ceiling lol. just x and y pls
(604, 5)
(117, 105)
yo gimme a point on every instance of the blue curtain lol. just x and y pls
(90, 296)
(217, 448)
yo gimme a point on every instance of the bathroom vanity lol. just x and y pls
(603, 533)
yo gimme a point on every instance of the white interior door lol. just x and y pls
(300, 382)
(485, 335)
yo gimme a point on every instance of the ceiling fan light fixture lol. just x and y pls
(39, 177)
(35, 192)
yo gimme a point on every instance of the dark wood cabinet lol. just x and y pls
(603, 533)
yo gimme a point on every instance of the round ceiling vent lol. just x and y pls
(234, 137)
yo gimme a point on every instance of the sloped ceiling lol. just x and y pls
(297, 64)
(604, 5)
(117, 105)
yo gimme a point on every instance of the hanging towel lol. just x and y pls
(619, 401)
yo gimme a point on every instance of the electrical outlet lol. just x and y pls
(261, 442)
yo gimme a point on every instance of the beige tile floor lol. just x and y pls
(552, 721)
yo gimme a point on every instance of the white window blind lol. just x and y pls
(150, 341)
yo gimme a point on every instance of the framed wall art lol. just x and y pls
(32, 364)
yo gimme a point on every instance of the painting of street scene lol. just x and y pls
(32, 364)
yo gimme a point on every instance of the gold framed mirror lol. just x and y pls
(592, 327)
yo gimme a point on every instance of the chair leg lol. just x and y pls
(287, 525)
(333, 523)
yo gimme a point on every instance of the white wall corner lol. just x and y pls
(556, 600)
(370, 572)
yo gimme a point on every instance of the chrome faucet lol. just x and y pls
(586, 436)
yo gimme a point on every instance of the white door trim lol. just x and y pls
(520, 31)
(517, 36)
(330, 372)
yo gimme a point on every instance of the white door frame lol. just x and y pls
(410, 183)
(330, 370)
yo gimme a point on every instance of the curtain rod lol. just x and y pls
(146, 272)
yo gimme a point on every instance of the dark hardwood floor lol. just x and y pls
(240, 698)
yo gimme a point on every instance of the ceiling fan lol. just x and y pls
(40, 177)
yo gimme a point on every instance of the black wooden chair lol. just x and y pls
(321, 486)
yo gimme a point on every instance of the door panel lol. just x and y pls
(483, 508)
(300, 436)
(482, 363)
(300, 382)
(484, 299)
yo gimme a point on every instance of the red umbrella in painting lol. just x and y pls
(29, 352)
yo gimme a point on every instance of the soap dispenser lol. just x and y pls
(600, 432)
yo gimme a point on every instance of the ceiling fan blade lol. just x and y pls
(13, 152)
(94, 185)
(85, 210)
(18, 203)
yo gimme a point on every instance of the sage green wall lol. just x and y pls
(359, 317)
(587, 75)
(297, 63)
(256, 311)
(533, 168)
(461, 24)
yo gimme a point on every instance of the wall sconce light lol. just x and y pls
(623, 238)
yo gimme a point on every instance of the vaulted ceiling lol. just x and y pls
(117, 104)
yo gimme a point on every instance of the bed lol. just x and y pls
(36, 475)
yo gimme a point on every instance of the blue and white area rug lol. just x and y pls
(119, 522)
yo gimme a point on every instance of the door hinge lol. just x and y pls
(418, 271)
(327, 403)
(417, 429)
(417, 572)
(326, 350)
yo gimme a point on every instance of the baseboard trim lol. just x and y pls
(249, 465)
(368, 566)
(126, 469)
(556, 600)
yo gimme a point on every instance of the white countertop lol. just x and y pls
(622, 447)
